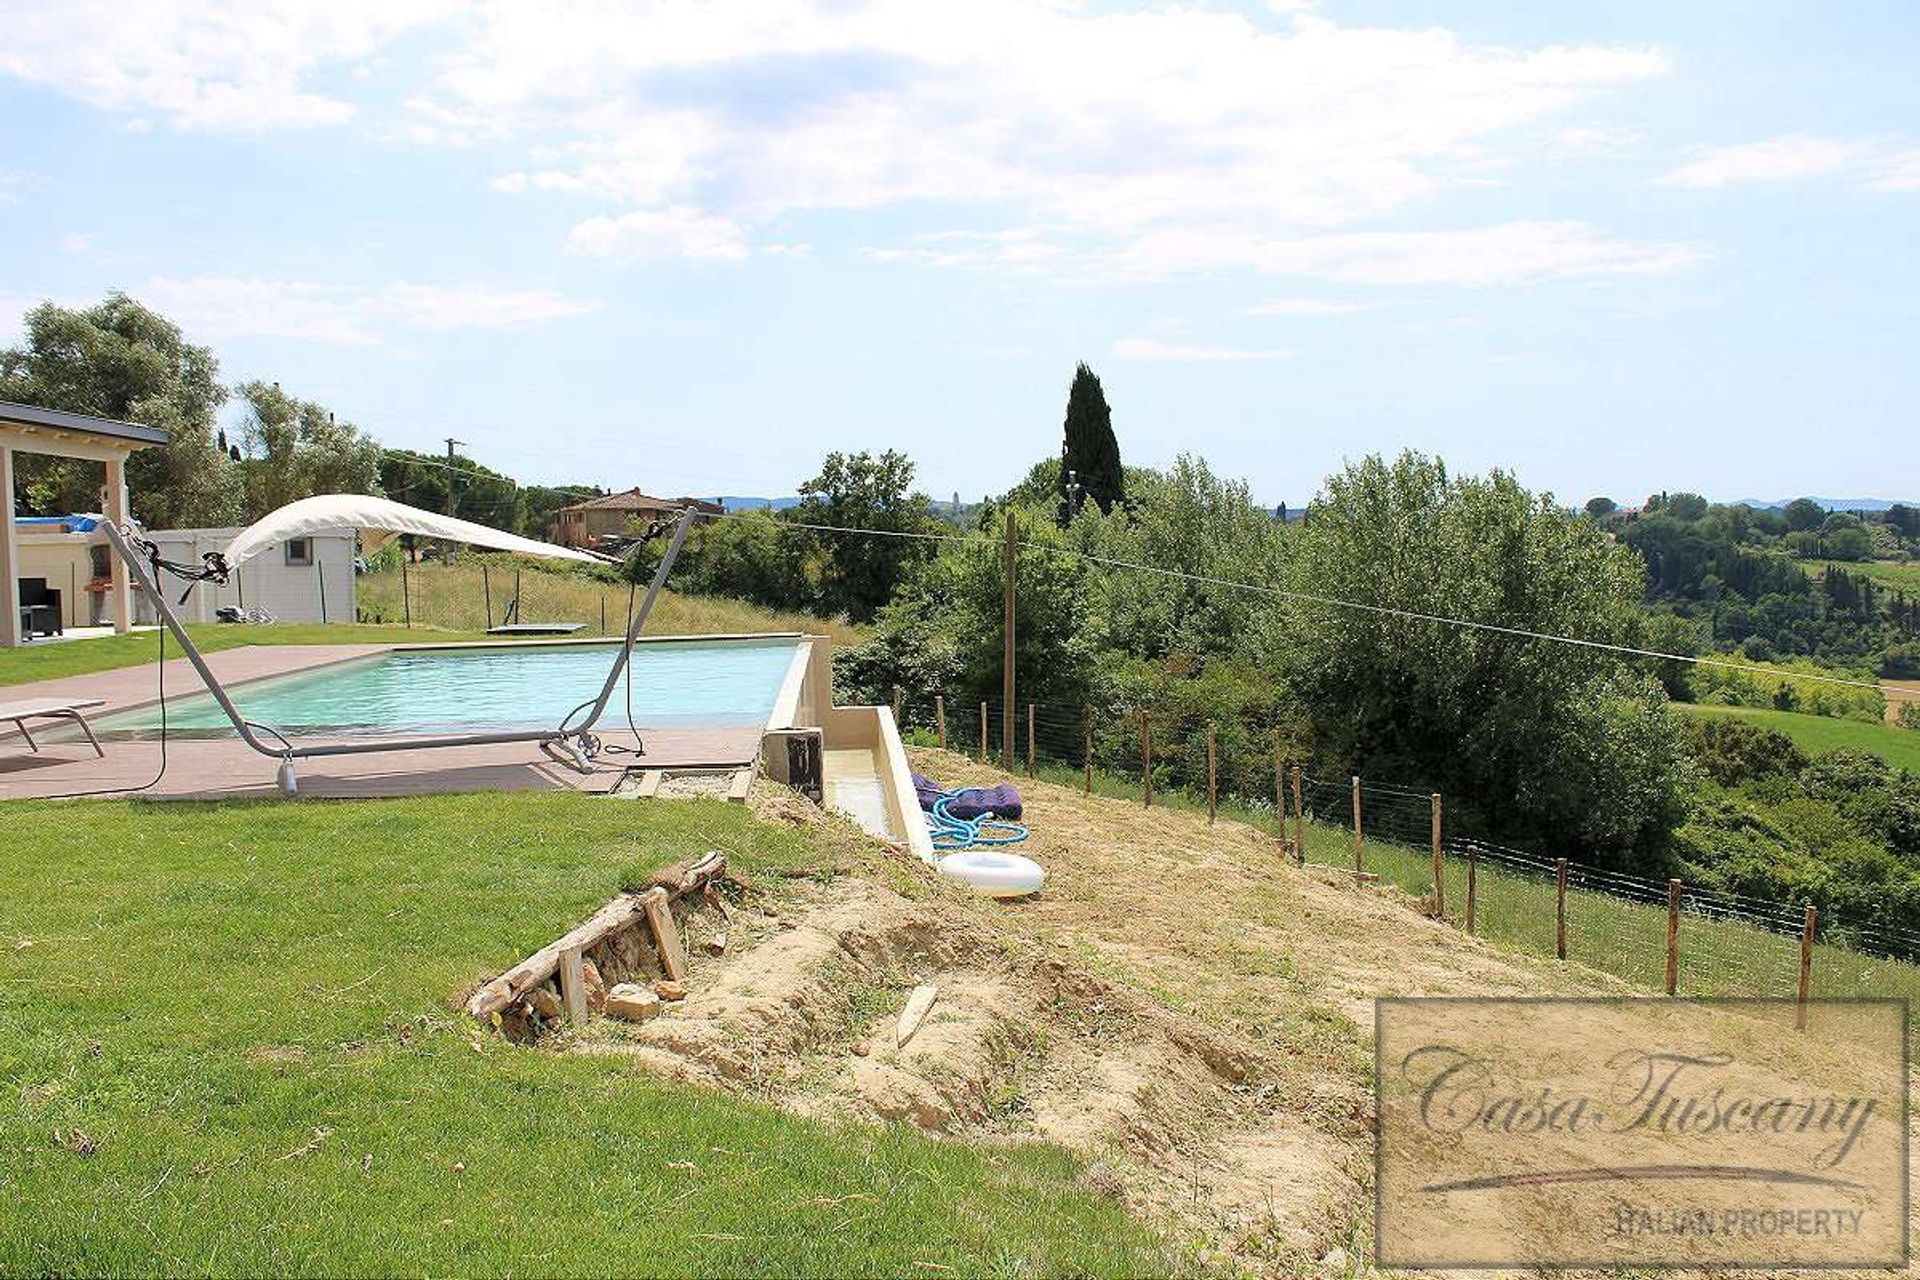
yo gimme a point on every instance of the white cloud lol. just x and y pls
(211, 308)
(1897, 172)
(1154, 349)
(76, 242)
(1509, 253)
(1103, 127)
(226, 64)
(649, 235)
(1314, 307)
(1790, 156)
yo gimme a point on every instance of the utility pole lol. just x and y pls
(1006, 652)
(451, 442)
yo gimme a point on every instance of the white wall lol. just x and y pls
(291, 593)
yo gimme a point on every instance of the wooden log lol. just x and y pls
(688, 876)
(1807, 927)
(666, 937)
(573, 986)
(622, 913)
(1560, 909)
(1674, 890)
(940, 720)
(983, 735)
(898, 701)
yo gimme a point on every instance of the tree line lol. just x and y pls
(124, 361)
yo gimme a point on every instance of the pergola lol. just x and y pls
(26, 428)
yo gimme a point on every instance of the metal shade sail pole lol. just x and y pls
(574, 738)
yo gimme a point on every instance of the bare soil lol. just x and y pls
(1180, 1004)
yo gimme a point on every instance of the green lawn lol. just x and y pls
(1824, 733)
(248, 1010)
(37, 661)
(1889, 573)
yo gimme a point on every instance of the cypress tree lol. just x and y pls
(1091, 456)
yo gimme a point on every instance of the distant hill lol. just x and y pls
(1831, 504)
(757, 504)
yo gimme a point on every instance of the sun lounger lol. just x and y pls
(52, 709)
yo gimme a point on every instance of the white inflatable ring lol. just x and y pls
(999, 875)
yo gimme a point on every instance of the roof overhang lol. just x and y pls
(31, 429)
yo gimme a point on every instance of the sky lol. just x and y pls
(1612, 248)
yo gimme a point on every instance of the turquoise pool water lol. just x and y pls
(706, 682)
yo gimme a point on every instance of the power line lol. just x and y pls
(1388, 611)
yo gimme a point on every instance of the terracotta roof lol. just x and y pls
(634, 500)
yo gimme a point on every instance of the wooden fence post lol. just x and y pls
(603, 613)
(1359, 830)
(1439, 869)
(898, 701)
(984, 759)
(1033, 760)
(1011, 574)
(1673, 935)
(1807, 927)
(1213, 777)
(940, 719)
(573, 986)
(1473, 876)
(1560, 909)
(1086, 746)
(406, 593)
(1279, 791)
(1299, 820)
(1146, 760)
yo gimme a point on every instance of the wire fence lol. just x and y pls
(1659, 934)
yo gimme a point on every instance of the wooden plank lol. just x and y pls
(650, 780)
(573, 986)
(619, 914)
(666, 936)
(741, 784)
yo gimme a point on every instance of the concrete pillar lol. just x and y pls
(9, 558)
(118, 511)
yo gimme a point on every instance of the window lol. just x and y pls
(299, 551)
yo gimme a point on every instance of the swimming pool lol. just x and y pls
(733, 682)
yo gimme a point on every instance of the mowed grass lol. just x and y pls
(39, 661)
(1889, 573)
(1513, 908)
(455, 597)
(229, 1045)
(1814, 734)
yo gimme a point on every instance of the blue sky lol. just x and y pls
(1612, 248)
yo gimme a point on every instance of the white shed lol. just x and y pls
(306, 579)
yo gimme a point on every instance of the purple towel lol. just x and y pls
(1002, 800)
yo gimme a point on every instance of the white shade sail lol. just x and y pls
(348, 512)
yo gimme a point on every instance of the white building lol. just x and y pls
(306, 579)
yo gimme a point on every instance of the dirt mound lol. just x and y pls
(1018, 1043)
(1180, 1004)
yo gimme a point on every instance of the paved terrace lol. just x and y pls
(203, 769)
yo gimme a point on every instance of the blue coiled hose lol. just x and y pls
(952, 833)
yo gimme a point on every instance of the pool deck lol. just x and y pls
(228, 768)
